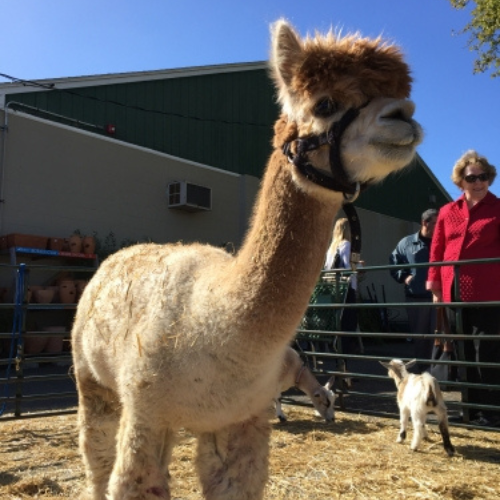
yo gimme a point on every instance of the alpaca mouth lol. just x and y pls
(407, 137)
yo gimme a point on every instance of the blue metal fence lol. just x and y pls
(39, 383)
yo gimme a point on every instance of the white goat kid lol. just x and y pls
(295, 373)
(418, 395)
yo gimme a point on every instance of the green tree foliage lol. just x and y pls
(484, 33)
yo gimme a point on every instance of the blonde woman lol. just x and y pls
(339, 257)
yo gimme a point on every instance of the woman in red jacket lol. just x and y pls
(469, 228)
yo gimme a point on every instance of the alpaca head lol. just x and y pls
(324, 79)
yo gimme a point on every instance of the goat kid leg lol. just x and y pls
(98, 415)
(279, 410)
(233, 462)
(140, 471)
(419, 432)
(403, 419)
(442, 416)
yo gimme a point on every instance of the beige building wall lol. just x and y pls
(56, 179)
(380, 235)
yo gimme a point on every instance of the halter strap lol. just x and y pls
(339, 181)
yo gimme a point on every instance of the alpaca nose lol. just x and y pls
(398, 111)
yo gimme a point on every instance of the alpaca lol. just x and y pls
(188, 336)
(418, 395)
(294, 373)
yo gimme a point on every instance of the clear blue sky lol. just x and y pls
(62, 38)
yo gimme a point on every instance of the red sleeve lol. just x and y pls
(437, 254)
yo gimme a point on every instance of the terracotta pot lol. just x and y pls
(44, 295)
(56, 292)
(34, 344)
(56, 244)
(31, 292)
(54, 344)
(67, 292)
(88, 244)
(80, 287)
(75, 243)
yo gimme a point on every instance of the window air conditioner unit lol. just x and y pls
(183, 195)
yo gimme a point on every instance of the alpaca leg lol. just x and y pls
(98, 415)
(141, 465)
(233, 462)
(403, 419)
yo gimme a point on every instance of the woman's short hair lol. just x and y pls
(471, 157)
(429, 214)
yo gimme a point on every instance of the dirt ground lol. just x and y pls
(355, 457)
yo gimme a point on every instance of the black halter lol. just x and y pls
(339, 180)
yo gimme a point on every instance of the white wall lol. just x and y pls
(57, 179)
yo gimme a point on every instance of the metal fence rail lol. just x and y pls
(36, 385)
(322, 350)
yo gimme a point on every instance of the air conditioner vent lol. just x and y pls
(183, 195)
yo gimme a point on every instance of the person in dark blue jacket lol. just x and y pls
(414, 249)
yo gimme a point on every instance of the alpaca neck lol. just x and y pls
(283, 254)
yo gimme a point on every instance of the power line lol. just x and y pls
(52, 88)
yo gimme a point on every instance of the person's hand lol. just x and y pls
(437, 296)
(408, 279)
(361, 264)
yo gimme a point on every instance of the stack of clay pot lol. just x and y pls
(81, 244)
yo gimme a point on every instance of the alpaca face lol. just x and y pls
(319, 79)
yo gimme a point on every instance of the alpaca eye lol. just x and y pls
(325, 107)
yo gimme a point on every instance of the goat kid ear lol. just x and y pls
(330, 383)
(385, 365)
(410, 363)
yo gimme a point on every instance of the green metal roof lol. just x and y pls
(224, 119)
(221, 118)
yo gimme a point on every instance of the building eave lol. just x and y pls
(119, 78)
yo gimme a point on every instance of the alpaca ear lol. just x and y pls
(286, 51)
